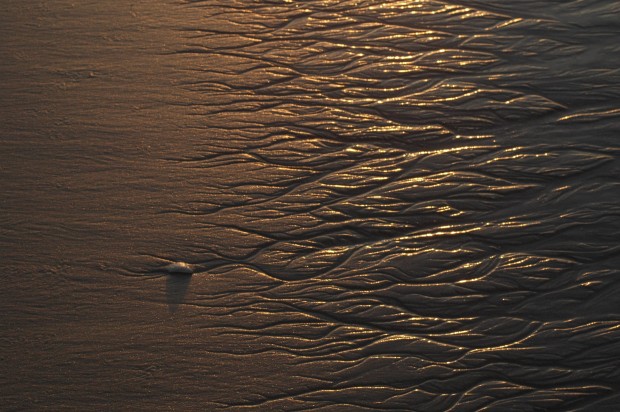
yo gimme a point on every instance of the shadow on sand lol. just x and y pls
(176, 289)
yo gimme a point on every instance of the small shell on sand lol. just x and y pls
(179, 268)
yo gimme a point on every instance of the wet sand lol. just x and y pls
(386, 205)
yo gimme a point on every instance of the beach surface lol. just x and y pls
(315, 205)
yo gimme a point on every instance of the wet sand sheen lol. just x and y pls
(385, 205)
